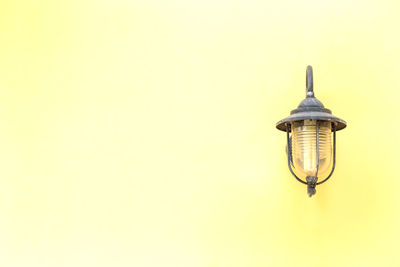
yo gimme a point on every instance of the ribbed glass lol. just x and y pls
(304, 150)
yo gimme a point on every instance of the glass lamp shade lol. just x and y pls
(304, 147)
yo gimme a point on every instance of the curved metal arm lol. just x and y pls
(334, 156)
(289, 156)
(309, 82)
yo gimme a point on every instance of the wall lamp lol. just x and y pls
(309, 131)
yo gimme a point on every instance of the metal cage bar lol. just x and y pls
(317, 147)
(289, 156)
(289, 150)
(334, 156)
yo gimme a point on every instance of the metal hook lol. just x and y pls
(309, 82)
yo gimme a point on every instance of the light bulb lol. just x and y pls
(304, 146)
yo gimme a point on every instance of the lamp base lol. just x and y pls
(311, 183)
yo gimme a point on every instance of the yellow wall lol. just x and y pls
(142, 133)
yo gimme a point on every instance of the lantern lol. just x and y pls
(311, 139)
